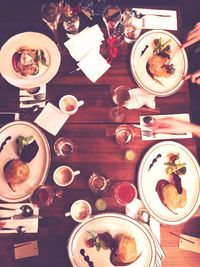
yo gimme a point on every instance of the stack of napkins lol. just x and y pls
(84, 47)
(31, 224)
(167, 19)
(24, 95)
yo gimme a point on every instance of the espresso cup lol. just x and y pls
(80, 210)
(69, 104)
(64, 175)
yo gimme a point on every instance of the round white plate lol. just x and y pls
(138, 63)
(39, 166)
(115, 224)
(33, 40)
(147, 180)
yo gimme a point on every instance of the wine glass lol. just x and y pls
(50, 15)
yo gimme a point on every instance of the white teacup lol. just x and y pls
(69, 104)
(80, 210)
(64, 175)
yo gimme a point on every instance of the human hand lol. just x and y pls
(193, 36)
(195, 77)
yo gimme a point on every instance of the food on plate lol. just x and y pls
(171, 197)
(159, 64)
(102, 240)
(125, 252)
(27, 148)
(26, 61)
(16, 172)
(174, 165)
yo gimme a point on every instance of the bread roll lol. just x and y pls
(171, 198)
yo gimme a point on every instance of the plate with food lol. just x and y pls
(158, 63)
(111, 239)
(169, 183)
(29, 59)
(24, 160)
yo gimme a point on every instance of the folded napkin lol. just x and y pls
(24, 95)
(82, 43)
(93, 65)
(155, 22)
(161, 136)
(139, 98)
(51, 119)
(31, 225)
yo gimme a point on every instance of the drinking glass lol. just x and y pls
(111, 17)
(124, 193)
(63, 147)
(44, 195)
(50, 15)
(124, 133)
(97, 183)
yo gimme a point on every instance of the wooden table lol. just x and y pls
(91, 130)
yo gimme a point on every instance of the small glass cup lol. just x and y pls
(124, 133)
(63, 147)
(124, 193)
(117, 114)
(120, 95)
(132, 27)
(98, 183)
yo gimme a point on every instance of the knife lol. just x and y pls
(20, 217)
(27, 102)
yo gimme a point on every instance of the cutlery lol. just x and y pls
(35, 97)
(27, 102)
(140, 15)
(72, 71)
(151, 133)
(24, 210)
(182, 237)
(19, 229)
(20, 217)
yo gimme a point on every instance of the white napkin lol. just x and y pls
(139, 98)
(24, 95)
(31, 225)
(158, 136)
(93, 65)
(82, 43)
(156, 22)
(51, 119)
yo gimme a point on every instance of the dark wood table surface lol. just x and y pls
(91, 130)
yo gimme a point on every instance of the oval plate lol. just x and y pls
(138, 62)
(147, 180)
(115, 224)
(32, 40)
(39, 166)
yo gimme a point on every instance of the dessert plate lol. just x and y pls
(115, 224)
(38, 166)
(153, 168)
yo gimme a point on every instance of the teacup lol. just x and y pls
(69, 104)
(64, 175)
(80, 210)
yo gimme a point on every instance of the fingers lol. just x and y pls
(193, 36)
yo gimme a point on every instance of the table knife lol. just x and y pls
(27, 102)
(20, 217)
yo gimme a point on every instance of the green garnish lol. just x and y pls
(23, 141)
(161, 46)
(40, 57)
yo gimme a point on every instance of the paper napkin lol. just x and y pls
(156, 22)
(85, 41)
(26, 249)
(139, 98)
(93, 65)
(160, 136)
(189, 243)
(51, 119)
(31, 225)
(24, 95)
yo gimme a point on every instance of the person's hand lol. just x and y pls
(195, 77)
(193, 36)
(173, 125)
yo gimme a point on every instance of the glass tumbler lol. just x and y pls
(63, 147)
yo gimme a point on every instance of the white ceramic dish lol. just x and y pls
(32, 40)
(114, 223)
(147, 180)
(39, 166)
(138, 64)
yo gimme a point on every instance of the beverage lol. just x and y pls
(129, 154)
(100, 204)
(42, 196)
(63, 147)
(124, 134)
(69, 104)
(124, 193)
(97, 183)
(80, 210)
(64, 175)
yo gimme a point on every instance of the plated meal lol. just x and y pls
(111, 239)
(169, 182)
(24, 160)
(158, 63)
(29, 59)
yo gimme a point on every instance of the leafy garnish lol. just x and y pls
(40, 57)
(161, 46)
(174, 165)
(23, 141)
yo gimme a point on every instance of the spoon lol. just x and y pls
(19, 229)
(149, 120)
(31, 110)
(24, 210)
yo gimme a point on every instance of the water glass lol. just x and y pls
(120, 95)
(132, 27)
(63, 147)
(124, 133)
(97, 183)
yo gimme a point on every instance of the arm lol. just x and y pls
(175, 125)
(193, 36)
(195, 77)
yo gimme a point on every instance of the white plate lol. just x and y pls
(138, 64)
(39, 166)
(115, 224)
(147, 180)
(34, 40)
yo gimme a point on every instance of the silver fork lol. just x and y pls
(35, 97)
(151, 133)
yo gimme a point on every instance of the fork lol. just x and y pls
(151, 133)
(35, 97)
